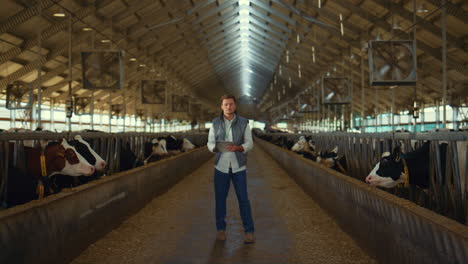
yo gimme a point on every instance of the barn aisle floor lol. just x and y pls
(179, 227)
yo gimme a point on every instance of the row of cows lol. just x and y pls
(393, 168)
(48, 167)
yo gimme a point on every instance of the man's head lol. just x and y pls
(228, 104)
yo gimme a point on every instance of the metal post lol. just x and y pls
(376, 110)
(69, 67)
(101, 121)
(376, 120)
(343, 108)
(110, 112)
(410, 122)
(31, 116)
(455, 117)
(52, 120)
(124, 109)
(437, 112)
(362, 93)
(12, 118)
(135, 107)
(92, 110)
(444, 61)
(423, 128)
(92, 92)
(39, 71)
(335, 119)
(392, 111)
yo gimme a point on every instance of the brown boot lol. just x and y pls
(249, 238)
(221, 235)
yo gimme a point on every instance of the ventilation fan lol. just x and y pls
(308, 104)
(285, 115)
(336, 90)
(103, 69)
(19, 95)
(392, 62)
(82, 105)
(180, 103)
(195, 110)
(153, 91)
(116, 110)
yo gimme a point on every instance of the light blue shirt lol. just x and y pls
(228, 159)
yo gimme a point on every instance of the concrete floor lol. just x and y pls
(179, 227)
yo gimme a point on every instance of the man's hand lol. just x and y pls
(233, 148)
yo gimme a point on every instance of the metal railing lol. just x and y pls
(448, 197)
(106, 145)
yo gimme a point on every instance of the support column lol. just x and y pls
(39, 73)
(444, 62)
(392, 110)
(455, 117)
(110, 112)
(423, 127)
(362, 94)
(52, 114)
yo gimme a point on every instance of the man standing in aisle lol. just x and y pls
(230, 164)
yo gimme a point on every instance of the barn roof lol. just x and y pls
(269, 53)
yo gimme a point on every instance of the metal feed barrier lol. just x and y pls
(363, 151)
(107, 145)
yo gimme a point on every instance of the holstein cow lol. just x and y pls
(305, 147)
(159, 148)
(332, 160)
(158, 151)
(60, 181)
(32, 179)
(284, 142)
(88, 153)
(409, 168)
(173, 145)
(128, 159)
(187, 145)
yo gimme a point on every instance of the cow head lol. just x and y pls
(187, 145)
(328, 158)
(299, 145)
(75, 164)
(163, 144)
(159, 147)
(88, 153)
(388, 172)
(311, 145)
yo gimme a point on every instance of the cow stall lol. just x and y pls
(67, 222)
(447, 193)
(392, 229)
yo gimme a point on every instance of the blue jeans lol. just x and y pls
(221, 184)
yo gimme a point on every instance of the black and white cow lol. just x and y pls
(390, 170)
(332, 160)
(128, 159)
(305, 147)
(60, 181)
(187, 145)
(158, 151)
(283, 142)
(88, 153)
(173, 145)
(159, 148)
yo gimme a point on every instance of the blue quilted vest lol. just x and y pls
(238, 129)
